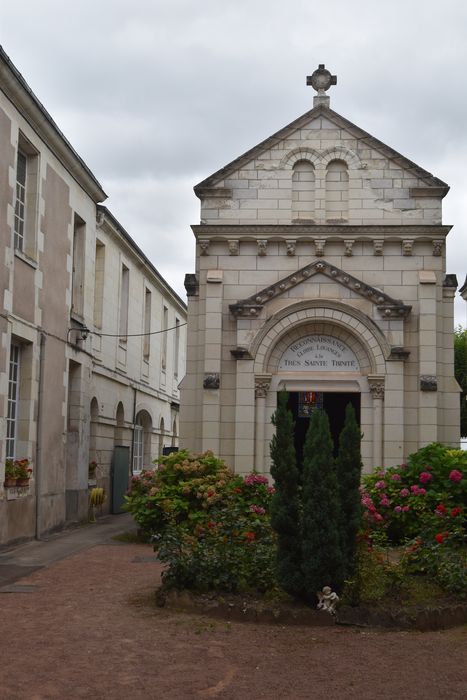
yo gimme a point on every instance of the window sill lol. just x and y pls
(26, 259)
(14, 492)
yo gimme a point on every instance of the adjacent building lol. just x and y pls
(320, 269)
(92, 338)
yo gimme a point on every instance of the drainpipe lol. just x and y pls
(38, 460)
(133, 431)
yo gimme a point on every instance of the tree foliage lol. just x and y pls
(349, 468)
(285, 504)
(322, 560)
(460, 370)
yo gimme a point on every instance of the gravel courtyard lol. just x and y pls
(85, 627)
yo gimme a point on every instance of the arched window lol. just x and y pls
(142, 441)
(337, 191)
(303, 190)
(174, 433)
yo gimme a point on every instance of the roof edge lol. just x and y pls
(25, 101)
(116, 225)
(430, 180)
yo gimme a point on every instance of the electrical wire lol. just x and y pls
(127, 335)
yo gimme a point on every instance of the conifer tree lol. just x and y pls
(322, 561)
(349, 468)
(285, 504)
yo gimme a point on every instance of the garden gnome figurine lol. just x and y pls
(327, 600)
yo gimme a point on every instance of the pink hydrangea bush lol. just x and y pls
(404, 500)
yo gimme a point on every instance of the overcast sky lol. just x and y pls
(156, 95)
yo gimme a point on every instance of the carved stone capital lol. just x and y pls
(234, 246)
(212, 380)
(262, 384)
(376, 382)
(204, 246)
(262, 244)
(428, 382)
(290, 246)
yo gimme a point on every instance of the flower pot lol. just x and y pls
(22, 482)
(10, 481)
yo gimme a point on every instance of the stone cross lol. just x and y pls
(321, 80)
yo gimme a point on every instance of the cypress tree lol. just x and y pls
(285, 504)
(349, 468)
(322, 561)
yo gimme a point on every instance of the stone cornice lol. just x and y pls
(32, 110)
(387, 306)
(311, 231)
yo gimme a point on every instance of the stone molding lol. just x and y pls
(394, 232)
(399, 353)
(387, 306)
(240, 353)
(213, 192)
(321, 312)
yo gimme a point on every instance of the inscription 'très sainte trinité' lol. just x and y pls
(321, 353)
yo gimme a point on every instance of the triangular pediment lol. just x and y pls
(387, 306)
(332, 120)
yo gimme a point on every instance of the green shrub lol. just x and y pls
(210, 526)
(285, 504)
(348, 469)
(182, 490)
(322, 560)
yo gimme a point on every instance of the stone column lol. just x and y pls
(211, 418)
(262, 384)
(427, 343)
(376, 383)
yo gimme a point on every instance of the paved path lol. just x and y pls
(84, 626)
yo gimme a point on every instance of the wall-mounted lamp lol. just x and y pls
(83, 332)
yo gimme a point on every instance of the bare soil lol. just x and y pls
(87, 627)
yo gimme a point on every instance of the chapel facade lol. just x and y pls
(320, 269)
